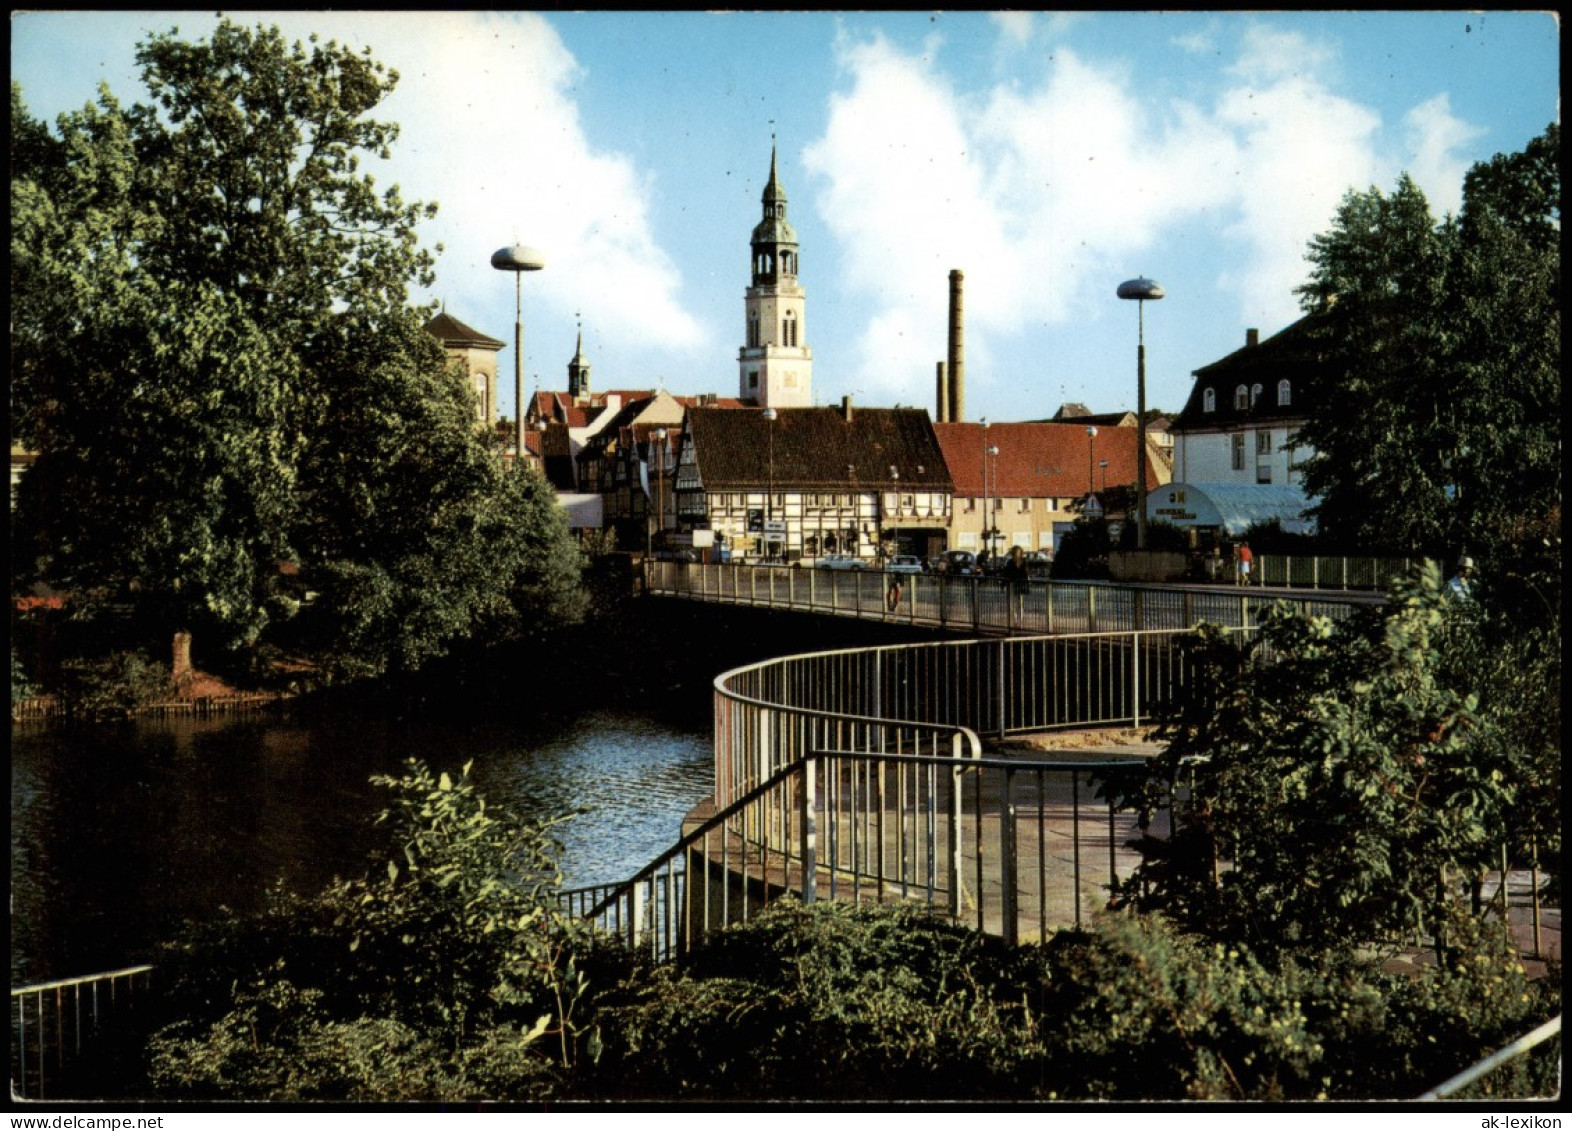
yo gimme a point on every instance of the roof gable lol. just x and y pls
(455, 334)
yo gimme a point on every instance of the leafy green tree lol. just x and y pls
(1335, 794)
(1436, 426)
(448, 971)
(214, 354)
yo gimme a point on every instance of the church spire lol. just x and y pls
(579, 369)
(776, 365)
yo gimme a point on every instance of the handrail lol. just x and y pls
(1495, 1060)
(686, 842)
(64, 983)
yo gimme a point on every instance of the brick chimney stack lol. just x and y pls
(957, 404)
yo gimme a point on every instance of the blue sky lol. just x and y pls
(1050, 157)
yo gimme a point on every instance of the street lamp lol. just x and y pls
(518, 259)
(657, 438)
(769, 497)
(993, 510)
(1141, 291)
(1091, 480)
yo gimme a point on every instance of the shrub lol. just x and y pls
(112, 687)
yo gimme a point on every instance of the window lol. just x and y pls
(1255, 394)
(753, 378)
(1239, 449)
(789, 329)
(908, 502)
(1284, 396)
(1209, 400)
(753, 331)
(1026, 506)
(1263, 442)
(1241, 397)
(971, 505)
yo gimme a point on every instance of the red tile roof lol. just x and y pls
(1040, 460)
(817, 448)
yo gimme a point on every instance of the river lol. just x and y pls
(120, 833)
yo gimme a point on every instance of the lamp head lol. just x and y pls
(1140, 289)
(517, 258)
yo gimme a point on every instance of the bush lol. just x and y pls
(820, 1002)
(112, 687)
(448, 972)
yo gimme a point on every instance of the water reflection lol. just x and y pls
(120, 833)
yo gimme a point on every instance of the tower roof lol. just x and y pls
(772, 189)
(774, 229)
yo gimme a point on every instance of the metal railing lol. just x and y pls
(859, 775)
(1520, 1047)
(984, 605)
(1361, 574)
(54, 1023)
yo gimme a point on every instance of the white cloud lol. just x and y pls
(1046, 186)
(1432, 139)
(1015, 27)
(1302, 149)
(1040, 195)
(1269, 55)
(490, 131)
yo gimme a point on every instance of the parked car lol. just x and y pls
(904, 563)
(840, 561)
(960, 563)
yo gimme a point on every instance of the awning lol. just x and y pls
(584, 510)
(1231, 507)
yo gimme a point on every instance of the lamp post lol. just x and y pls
(983, 533)
(769, 496)
(657, 442)
(895, 493)
(1091, 476)
(518, 259)
(1141, 290)
(993, 511)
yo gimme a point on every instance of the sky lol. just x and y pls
(1048, 156)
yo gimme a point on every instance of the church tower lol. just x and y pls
(776, 368)
(579, 371)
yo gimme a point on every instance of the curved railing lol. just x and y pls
(986, 605)
(867, 775)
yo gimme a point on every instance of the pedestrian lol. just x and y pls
(1246, 560)
(1460, 587)
(1014, 574)
(892, 595)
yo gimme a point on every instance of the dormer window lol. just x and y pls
(1255, 394)
(1284, 395)
(1241, 397)
(1209, 400)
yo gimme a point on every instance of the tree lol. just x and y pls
(1337, 791)
(214, 354)
(1436, 426)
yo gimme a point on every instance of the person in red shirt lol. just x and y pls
(1246, 560)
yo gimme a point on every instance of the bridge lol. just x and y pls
(994, 606)
(910, 772)
(916, 773)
